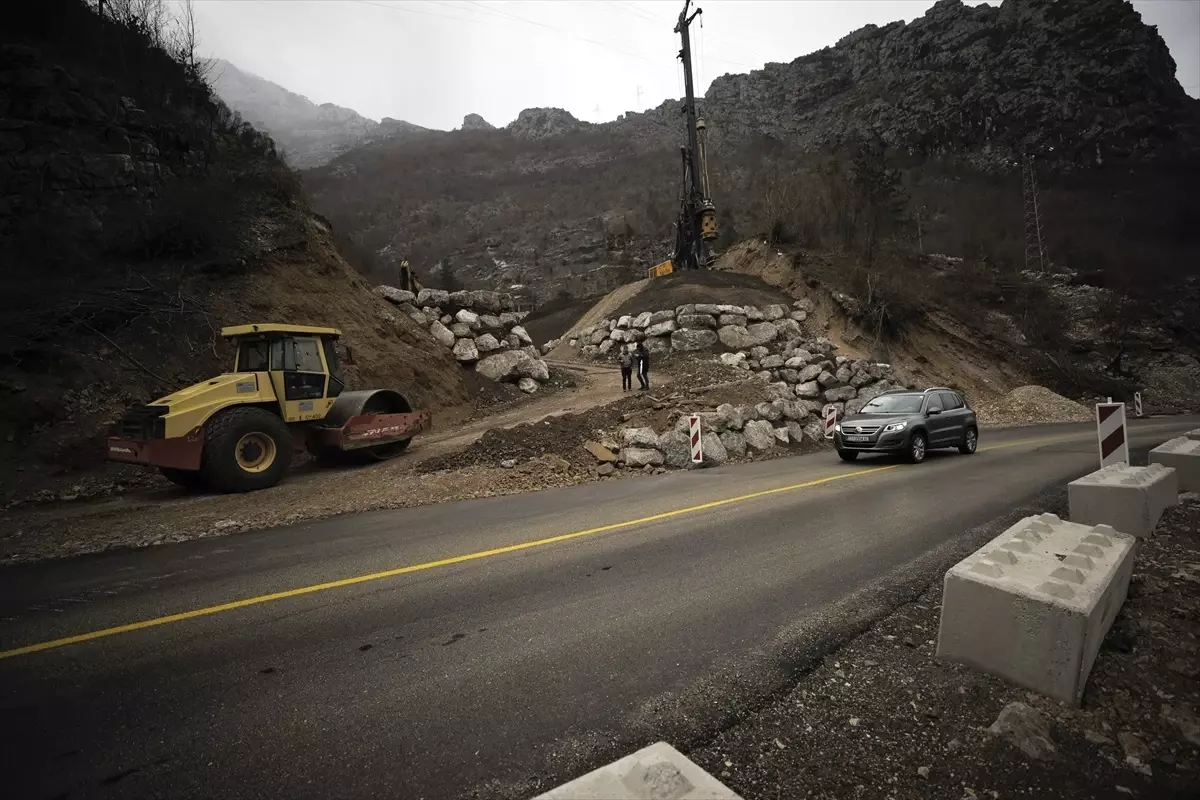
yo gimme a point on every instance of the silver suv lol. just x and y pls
(909, 424)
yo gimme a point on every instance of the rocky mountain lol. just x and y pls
(310, 134)
(953, 98)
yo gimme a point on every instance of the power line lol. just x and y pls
(563, 31)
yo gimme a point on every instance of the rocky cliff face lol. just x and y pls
(955, 97)
(310, 134)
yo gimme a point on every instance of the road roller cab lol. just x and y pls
(237, 431)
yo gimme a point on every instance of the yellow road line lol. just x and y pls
(445, 562)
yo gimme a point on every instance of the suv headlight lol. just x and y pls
(837, 426)
(895, 426)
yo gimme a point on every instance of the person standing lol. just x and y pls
(643, 365)
(625, 359)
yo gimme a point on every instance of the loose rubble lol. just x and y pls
(480, 328)
(1029, 405)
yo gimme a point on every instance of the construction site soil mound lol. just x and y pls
(1030, 405)
(702, 286)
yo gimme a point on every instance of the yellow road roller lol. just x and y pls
(238, 432)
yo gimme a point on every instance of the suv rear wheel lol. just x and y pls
(917, 445)
(970, 442)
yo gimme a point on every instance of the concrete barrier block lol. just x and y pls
(1183, 455)
(1130, 499)
(657, 772)
(1193, 434)
(1033, 605)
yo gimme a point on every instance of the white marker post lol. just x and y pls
(830, 420)
(697, 447)
(1110, 431)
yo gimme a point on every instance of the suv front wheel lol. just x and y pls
(917, 445)
(970, 442)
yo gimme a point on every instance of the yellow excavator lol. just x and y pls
(237, 432)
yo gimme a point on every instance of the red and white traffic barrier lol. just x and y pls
(697, 449)
(1111, 433)
(1137, 404)
(830, 420)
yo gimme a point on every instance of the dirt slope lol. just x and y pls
(604, 308)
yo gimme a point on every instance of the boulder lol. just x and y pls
(696, 321)
(621, 335)
(735, 337)
(781, 436)
(788, 328)
(774, 312)
(789, 376)
(508, 319)
(810, 373)
(795, 410)
(780, 391)
(855, 406)
(600, 452)
(691, 340)
(419, 318)
(860, 379)
(433, 297)
(461, 330)
(394, 295)
(771, 362)
(827, 379)
(748, 412)
(447, 319)
(758, 352)
(512, 341)
(731, 319)
(815, 430)
(711, 309)
(663, 328)
(466, 350)
(710, 421)
(733, 359)
(799, 316)
(527, 385)
(804, 304)
(840, 394)
(640, 457)
(759, 435)
(639, 437)
(808, 390)
(687, 308)
(641, 321)
(467, 317)
(735, 443)
(520, 332)
(732, 417)
(767, 412)
(624, 321)
(487, 343)
(598, 335)
(659, 344)
(661, 316)
(512, 365)
(676, 448)
(844, 374)
(763, 332)
(795, 431)
(490, 322)
(605, 348)
(444, 336)
(764, 375)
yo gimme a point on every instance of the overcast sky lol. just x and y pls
(433, 61)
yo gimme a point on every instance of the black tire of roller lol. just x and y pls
(221, 436)
(378, 404)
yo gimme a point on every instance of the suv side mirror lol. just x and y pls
(933, 412)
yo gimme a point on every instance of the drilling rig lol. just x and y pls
(696, 227)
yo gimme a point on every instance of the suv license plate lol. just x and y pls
(857, 438)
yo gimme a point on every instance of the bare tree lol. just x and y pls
(185, 44)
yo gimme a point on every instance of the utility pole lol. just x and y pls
(697, 226)
(1035, 251)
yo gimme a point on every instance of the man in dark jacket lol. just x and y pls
(625, 359)
(643, 365)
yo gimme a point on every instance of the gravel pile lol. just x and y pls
(1030, 405)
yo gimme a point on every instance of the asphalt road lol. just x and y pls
(654, 610)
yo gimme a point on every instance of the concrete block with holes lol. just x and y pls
(657, 772)
(1130, 499)
(1183, 455)
(1033, 605)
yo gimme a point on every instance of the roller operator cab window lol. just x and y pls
(296, 354)
(254, 356)
(894, 404)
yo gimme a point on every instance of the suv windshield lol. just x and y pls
(894, 404)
